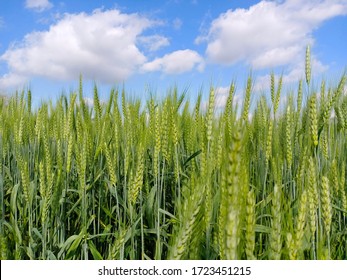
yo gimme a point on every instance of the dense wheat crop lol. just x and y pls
(172, 180)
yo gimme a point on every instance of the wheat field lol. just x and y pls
(168, 179)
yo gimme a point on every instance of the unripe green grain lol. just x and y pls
(272, 88)
(232, 235)
(138, 179)
(291, 246)
(179, 248)
(326, 205)
(301, 220)
(313, 120)
(324, 141)
(250, 225)
(312, 208)
(20, 131)
(275, 236)
(308, 65)
(157, 147)
(42, 180)
(299, 99)
(334, 177)
(236, 180)
(269, 141)
(70, 147)
(29, 101)
(110, 165)
(342, 189)
(322, 91)
(48, 159)
(165, 131)
(24, 171)
(313, 181)
(289, 156)
(278, 94)
(70, 119)
(247, 100)
(209, 116)
(229, 103)
(96, 104)
(340, 117)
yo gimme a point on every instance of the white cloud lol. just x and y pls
(38, 5)
(176, 62)
(11, 80)
(268, 34)
(221, 98)
(101, 46)
(154, 42)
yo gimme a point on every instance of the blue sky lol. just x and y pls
(47, 44)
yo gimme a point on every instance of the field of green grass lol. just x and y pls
(171, 180)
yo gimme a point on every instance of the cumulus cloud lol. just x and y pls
(11, 80)
(268, 34)
(102, 45)
(176, 62)
(221, 98)
(38, 5)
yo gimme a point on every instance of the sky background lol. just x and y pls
(154, 45)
